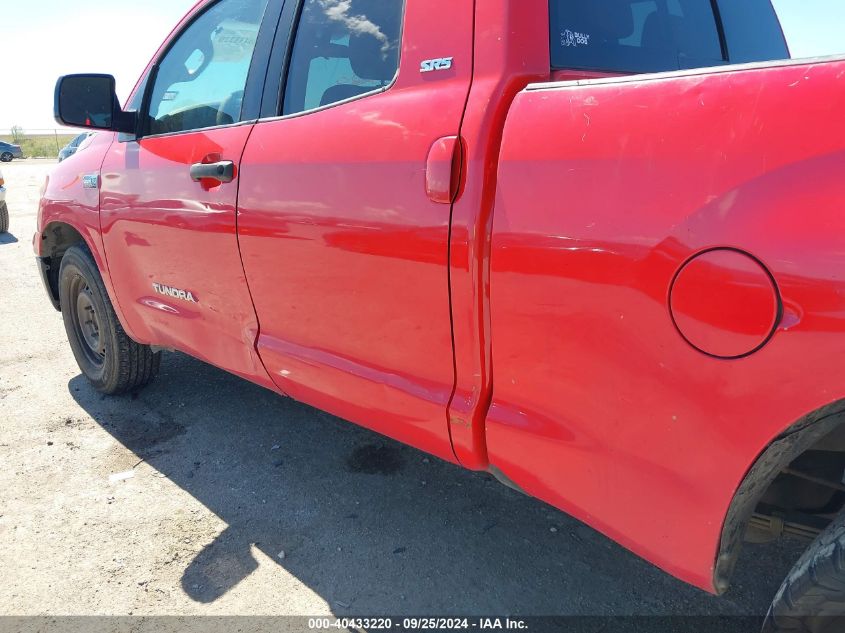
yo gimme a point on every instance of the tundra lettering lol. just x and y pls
(602, 263)
(175, 293)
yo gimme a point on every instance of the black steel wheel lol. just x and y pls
(86, 321)
(108, 358)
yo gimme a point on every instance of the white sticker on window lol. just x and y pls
(574, 38)
(234, 41)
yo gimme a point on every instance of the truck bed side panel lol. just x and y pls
(605, 190)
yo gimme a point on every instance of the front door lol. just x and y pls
(345, 251)
(169, 199)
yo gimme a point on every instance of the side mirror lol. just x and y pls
(90, 101)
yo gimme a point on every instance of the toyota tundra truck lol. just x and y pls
(592, 248)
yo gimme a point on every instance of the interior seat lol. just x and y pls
(371, 60)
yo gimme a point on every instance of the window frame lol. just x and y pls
(256, 74)
(272, 104)
(723, 45)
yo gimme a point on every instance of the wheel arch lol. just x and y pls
(55, 239)
(58, 236)
(783, 450)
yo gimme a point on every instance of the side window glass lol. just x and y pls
(752, 31)
(343, 49)
(634, 35)
(137, 100)
(201, 79)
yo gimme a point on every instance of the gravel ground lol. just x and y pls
(242, 502)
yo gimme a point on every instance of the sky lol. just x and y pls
(43, 39)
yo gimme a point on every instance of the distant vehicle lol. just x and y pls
(4, 211)
(71, 148)
(8, 151)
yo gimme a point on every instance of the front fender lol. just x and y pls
(69, 213)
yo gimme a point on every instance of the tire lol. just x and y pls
(108, 358)
(6, 157)
(812, 598)
(4, 218)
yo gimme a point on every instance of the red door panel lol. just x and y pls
(345, 252)
(161, 227)
(606, 192)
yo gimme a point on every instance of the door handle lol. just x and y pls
(221, 171)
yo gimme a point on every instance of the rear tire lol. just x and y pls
(6, 157)
(812, 598)
(4, 217)
(108, 358)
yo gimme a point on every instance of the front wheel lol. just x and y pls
(6, 157)
(4, 217)
(812, 598)
(108, 358)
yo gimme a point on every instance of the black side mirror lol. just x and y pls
(90, 101)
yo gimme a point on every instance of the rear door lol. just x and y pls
(169, 232)
(344, 247)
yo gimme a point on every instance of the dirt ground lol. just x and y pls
(205, 494)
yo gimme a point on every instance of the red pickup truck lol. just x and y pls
(594, 248)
